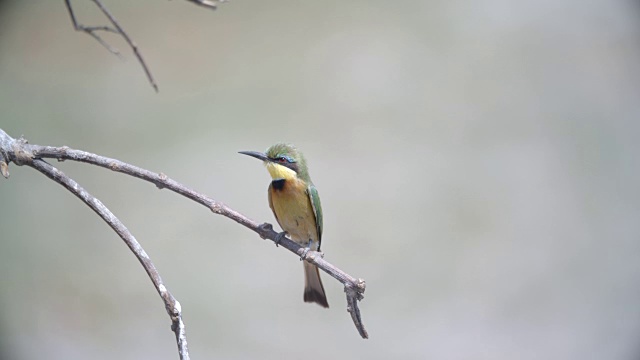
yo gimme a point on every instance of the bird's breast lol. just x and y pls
(292, 207)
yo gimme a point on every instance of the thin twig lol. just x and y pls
(91, 30)
(354, 287)
(132, 45)
(171, 304)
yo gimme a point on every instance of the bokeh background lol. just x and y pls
(478, 164)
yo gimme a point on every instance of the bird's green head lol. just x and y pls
(284, 161)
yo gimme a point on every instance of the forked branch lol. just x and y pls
(19, 152)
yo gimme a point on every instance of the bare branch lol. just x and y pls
(354, 287)
(353, 296)
(171, 304)
(21, 155)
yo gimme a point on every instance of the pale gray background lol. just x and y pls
(477, 162)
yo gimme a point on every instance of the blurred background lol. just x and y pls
(478, 164)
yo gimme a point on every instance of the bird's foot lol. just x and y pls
(303, 254)
(279, 237)
(305, 251)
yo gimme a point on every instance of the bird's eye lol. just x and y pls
(282, 159)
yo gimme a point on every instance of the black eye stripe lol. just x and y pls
(284, 159)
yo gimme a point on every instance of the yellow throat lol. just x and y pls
(278, 171)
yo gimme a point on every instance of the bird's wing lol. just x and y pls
(317, 210)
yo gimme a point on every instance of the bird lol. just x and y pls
(295, 203)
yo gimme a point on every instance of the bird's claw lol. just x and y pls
(304, 253)
(279, 237)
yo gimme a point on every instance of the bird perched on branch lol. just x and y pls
(295, 203)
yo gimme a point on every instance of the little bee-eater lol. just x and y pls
(295, 203)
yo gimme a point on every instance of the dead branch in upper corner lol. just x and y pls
(117, 29)
(22, 153)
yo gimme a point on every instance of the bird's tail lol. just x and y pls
(313, 289)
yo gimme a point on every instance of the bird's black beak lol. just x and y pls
(256, 154)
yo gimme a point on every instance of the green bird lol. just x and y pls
(295, 203)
